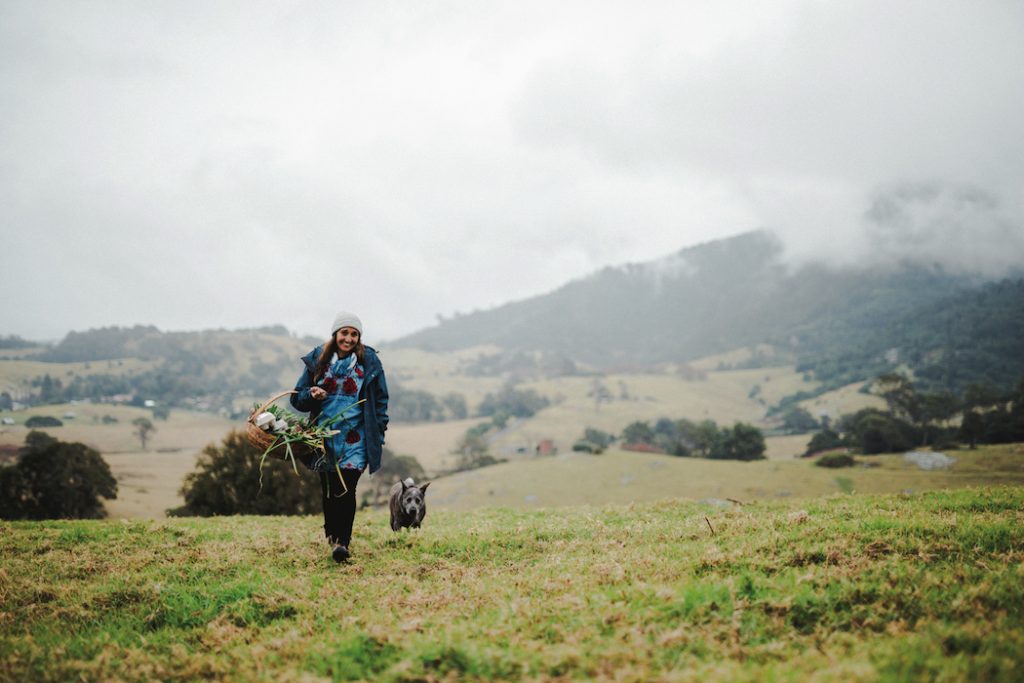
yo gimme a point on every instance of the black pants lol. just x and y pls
(339, 510)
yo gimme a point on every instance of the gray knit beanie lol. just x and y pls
(346, 319)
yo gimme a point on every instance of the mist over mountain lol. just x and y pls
(717, 297)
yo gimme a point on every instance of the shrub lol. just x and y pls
(514, 402)
(836, 460)
(583, 446)
(54, 479)
(873, 432)
(43, 421)
(741, 442)
(824, 440)
(597, 437)
(226, 481)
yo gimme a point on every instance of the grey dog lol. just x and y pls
(408, 504)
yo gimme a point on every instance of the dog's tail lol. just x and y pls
(409, 482)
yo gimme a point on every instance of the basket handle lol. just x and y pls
(269, 401)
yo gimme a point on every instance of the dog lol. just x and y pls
(408, 504)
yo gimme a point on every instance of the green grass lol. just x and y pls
(927, 586)
(625, 477)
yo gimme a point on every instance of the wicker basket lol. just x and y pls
(263, 440)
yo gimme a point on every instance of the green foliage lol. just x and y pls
(949, 337)
(143, 428)
(584, 446)
(638, 432)
(43, 421)
(455, 404)
(598, 437)
(872, 431)
(226, 481)
(796, 420)
(741, 442)
(13, 341)
(824, 440)
(54, 479)
(835, 460)
(413, 405)
(98, 344)
(161, 412)
(513, 402)
(472, 449)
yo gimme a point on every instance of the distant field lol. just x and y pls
(148, 484)
(150, 481)
(623, 477)
(184, 430)
(430, 442)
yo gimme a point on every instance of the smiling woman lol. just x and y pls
(343, 386)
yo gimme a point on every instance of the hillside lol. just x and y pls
(887, 588)
(737, 292)
(624, 477)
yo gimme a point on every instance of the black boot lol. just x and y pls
(340, 553)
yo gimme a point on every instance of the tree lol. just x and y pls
(741, 442)
(824, 440)
(143, 428)
(455, 404)
(43, 421)
(471, 451)
(54, 479)
(873, 431)
(972, 428)
(598, 437)
(226, 481)
(161, 412)
(796, 420)
(698, 437)
(899, 395)
(515, 402)
(938, 407)
(638, 432)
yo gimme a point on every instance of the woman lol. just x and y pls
(343, 385)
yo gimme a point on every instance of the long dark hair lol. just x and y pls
(331, 348)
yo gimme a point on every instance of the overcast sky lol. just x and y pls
(218, 164)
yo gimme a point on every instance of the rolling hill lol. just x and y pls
(843, 325)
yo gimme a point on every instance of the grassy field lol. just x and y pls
(848, 588)
(623, 477)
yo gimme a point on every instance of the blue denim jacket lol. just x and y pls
(374, 390)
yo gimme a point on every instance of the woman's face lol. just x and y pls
(346, 338)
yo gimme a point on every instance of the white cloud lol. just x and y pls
(208, 164)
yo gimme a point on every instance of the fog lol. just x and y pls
(214, 164)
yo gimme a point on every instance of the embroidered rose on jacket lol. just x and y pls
(348, 387)
(352, 436)
(330, 385)
(359, 372)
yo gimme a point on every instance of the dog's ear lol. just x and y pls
(405, 486)
(424, 488)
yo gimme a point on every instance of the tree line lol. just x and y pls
(682, 437)
(981, 414)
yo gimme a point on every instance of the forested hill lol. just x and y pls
(736, 292)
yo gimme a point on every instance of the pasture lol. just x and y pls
(623, 477)
(925, 586)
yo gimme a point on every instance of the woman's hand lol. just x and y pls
(317, 393)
